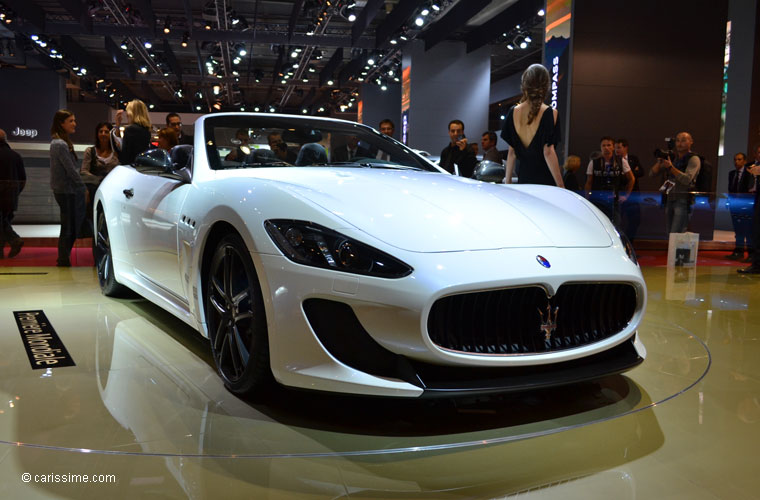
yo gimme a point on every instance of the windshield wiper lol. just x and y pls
(392, 166)
(265, 164)
(366, 164)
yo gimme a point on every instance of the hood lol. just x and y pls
(433, 212)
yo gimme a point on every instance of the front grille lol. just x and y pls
(516, 320)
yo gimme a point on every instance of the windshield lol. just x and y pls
(253, 141)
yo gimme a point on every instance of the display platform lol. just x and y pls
(144, 384)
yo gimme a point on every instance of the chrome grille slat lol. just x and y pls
(507, 321)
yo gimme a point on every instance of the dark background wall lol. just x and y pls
(645, 71)
(29, 99)
(754, 116)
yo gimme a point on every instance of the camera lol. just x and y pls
(460, 137)
(666, 154)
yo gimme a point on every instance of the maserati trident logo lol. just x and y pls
(541, 260)
(548, 321)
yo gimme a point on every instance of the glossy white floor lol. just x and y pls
(145, 414)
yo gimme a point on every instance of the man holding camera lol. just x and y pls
(457, 157)
(754, 169)
(681, 168)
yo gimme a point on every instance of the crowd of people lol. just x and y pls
(531, 129)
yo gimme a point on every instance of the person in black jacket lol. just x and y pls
(12, 182)
(136, 137)
(631, 210)
(754, 169)
(174, 121)
(457, 157)
(740, 181)
(570, 178)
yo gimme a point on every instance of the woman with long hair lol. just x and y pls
(136, 138)
(68, 187)
(167, 138)
(100, 158)
(532, 131)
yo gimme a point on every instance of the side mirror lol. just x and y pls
(155, 158)
(490, 171)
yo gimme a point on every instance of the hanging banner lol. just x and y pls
(557, 52)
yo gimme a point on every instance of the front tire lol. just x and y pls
(236, 318)
(101, 252)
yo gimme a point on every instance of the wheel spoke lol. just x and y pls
(243, 316)
(237, 299)
(227, 273)
(219, 307)
(232, 345)
(219, 336)
(241, 347)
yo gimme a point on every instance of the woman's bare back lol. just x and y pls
(527, 131)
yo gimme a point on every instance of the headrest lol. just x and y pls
(311, 154)
(181, 155)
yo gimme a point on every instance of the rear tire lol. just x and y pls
(236, 319)
(101, 252)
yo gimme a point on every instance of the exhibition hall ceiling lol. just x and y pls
(296, 55)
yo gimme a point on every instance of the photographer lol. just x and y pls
(458, 156)
(681, 168)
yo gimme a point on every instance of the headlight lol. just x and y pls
(313, 245)
(628, 248)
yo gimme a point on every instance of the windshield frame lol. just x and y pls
(296, 122)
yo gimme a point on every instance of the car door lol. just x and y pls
(154, 202)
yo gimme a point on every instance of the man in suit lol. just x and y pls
(631, 210)
(350, 150)
(173, 121)
(12, 182)
(754, 169)
(739, 183)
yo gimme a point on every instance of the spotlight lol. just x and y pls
(257, 108)
(425, 12)
(147, 44)
(217, 89)
(523, 44)
(330, 82)
(305, 111)
(351, 17)
(510, 46)
(371, 61)
(124, 45)
(541, 13)
(528, 39)
(143, 69)
(394, 41)
(34, 37)
(167, 25)
(419, 21)
(435, 7)
(217, 105)
(185, 38)
(151, 105)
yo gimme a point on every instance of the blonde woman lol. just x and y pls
(66, 183)
(532, 131)
(136, 138)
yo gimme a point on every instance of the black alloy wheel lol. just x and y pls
(103, 260)
(236, 319)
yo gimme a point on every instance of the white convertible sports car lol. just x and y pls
(327, 256)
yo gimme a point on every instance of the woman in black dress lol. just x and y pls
(532, 131)
(136, 138)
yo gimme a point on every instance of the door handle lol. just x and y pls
(129, 193)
